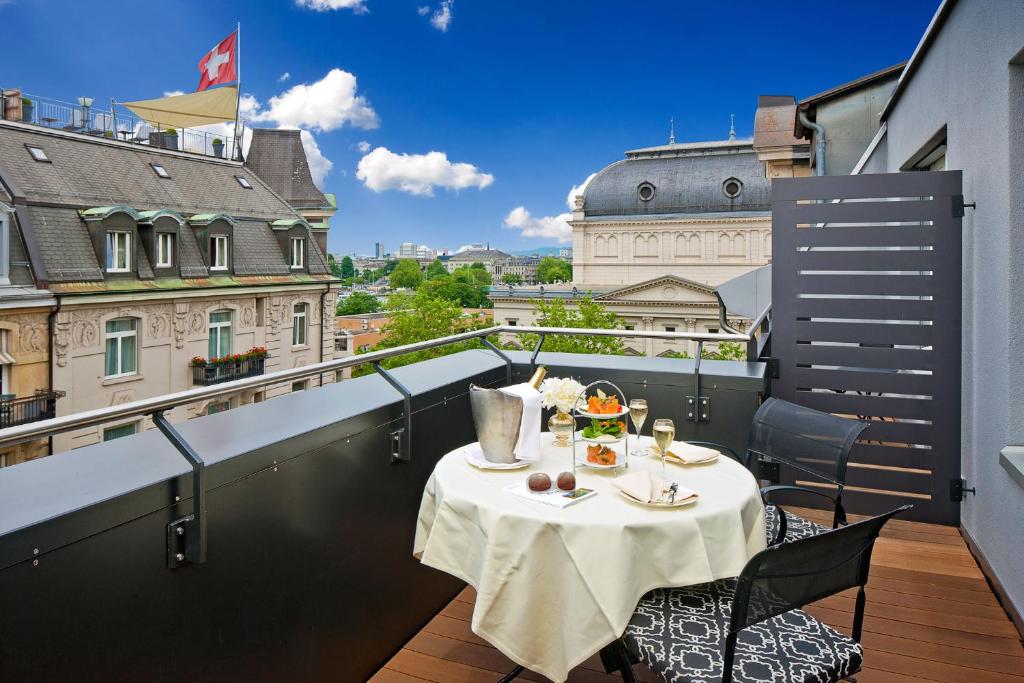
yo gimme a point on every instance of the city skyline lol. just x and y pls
(443, 120)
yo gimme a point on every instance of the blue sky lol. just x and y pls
(521, 100)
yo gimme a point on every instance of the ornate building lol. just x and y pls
(653, 235)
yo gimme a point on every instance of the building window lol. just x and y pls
(219, 252)
(37, 153)
(670, 328)
(299, 324)
(164, 249)
(339, 375)
(732, 188)
(118, 252)
(712, 330)
(122, 347)
(112, 433)
(512, 322)
(3, 460)
(629, 327)
(298, 252)
(218, 407)
(243, 182)
(160, 171)
(220, 334)
(6, 362)
(257, 397)
(645, 191)
(299, 386)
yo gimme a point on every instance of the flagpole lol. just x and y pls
(238, 86)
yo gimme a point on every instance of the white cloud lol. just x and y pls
(442, 17)
(423, 11)
(547, 227)
(319, 165)
(418, 174)
(283, 77)
(327, 104)
(363, 146)
(578, 189)
(357, 6)
(173, 93)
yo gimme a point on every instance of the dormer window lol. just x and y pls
(219, 252)
(165, 250)
(298, 253)
(37, 153)
(243, 182)
(160, 171)
(119, 252)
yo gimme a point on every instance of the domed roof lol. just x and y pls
(689, 178)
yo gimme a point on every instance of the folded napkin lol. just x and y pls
(689, 454)
(528, 445)
(650, 488)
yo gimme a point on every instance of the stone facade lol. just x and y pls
(26, 333)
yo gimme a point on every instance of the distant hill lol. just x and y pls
(539, 251)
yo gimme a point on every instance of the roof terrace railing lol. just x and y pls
(158, 404)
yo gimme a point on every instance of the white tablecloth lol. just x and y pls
(556, 585)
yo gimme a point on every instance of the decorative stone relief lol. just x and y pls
(85, 333)
(180, 323)
(196, 322)
(248, 316)
(62, 336)
(122, 396)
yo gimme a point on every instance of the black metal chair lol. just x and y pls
(816, 444)
(750, 629)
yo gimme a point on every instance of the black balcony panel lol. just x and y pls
(18, 411)
(215, 373)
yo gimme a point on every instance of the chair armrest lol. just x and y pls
(721, 447)
(766, 491)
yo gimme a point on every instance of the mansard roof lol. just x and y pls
(278, 158)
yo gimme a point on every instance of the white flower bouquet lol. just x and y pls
(560, 393)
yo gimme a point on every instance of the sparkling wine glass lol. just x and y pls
(638, 414)
(664, 432)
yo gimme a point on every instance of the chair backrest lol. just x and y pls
(790, 575)
(815, 442)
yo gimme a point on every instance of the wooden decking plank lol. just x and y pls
(439, 670)
(937, 671)
(941, 593)
(957, 620)
(386, 675)
(927, 603)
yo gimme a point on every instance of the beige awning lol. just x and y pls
(188, 111)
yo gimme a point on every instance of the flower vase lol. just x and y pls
(562, 425)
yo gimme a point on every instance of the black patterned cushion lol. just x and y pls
(796, 527)
(680, 633)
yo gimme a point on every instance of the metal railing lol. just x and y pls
(117, 125)
(19, 411)
(159, 404)
(218, 373)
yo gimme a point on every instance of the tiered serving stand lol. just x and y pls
(577, 434)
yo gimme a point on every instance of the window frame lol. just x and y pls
(5, 368)
(300, 311)
(300, 385)
(161, 237)
(120, 336)
(298, 248)
(216, 328)
(41, 157)
(160, 170)
(133, 425)
(216, 251)
(112, 234)
(244, 182)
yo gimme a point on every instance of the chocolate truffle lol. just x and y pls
(539, 482)
(567, 481)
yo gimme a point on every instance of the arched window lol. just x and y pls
(613, 246)
(652, 245)
(739, 244)
(600, 246)
(724, 245)
(220, 334)
(640, 246)
(694, 245)
(299, 324)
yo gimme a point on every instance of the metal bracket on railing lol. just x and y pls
(186, 537)
(501, 355)
(536, 352)
(402, 435)
(698, 408)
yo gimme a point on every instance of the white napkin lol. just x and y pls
(689, 454)
(649, 488)
(528, 444)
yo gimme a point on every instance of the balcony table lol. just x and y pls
(554, 585)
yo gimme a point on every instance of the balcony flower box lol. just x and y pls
(226, 368)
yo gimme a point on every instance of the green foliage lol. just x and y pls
(436, 269)
(586, 313)
(456, 290)
(472, 274)
(726, 351)
(512, 279)
(358, 303)
(407, 274)
(551, 269)
(348, 269)
(333, 266)
(675, 354)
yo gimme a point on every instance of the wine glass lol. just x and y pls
(638, 414)
(664, 431)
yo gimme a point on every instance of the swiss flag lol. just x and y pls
(218, 65)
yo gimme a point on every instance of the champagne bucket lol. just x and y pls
(497, 417)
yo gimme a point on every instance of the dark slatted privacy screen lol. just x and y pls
(866, 322)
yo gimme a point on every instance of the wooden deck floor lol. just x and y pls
(931, 616)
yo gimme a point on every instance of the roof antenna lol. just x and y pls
(672, 131)
(732, 128)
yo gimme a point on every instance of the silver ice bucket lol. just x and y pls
(497, 417)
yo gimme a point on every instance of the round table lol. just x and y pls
(556, 585)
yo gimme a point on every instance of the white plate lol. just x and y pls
(601, 439)
(475, 457)
(603, 416)
(678, 504)
(581, 461)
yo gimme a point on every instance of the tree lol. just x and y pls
(333, 266)
(358, 303)
(473, 275)
(407, 274)
(585, 314)
(461, 290)
(347, 267)
(551, 269)
(436, 269)
(726, 351)
(512, 279)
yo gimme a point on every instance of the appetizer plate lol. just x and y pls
(604, 438)
(602, 416)
(583, 462)
(683, 502)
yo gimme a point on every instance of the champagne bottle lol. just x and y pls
(538, 377)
